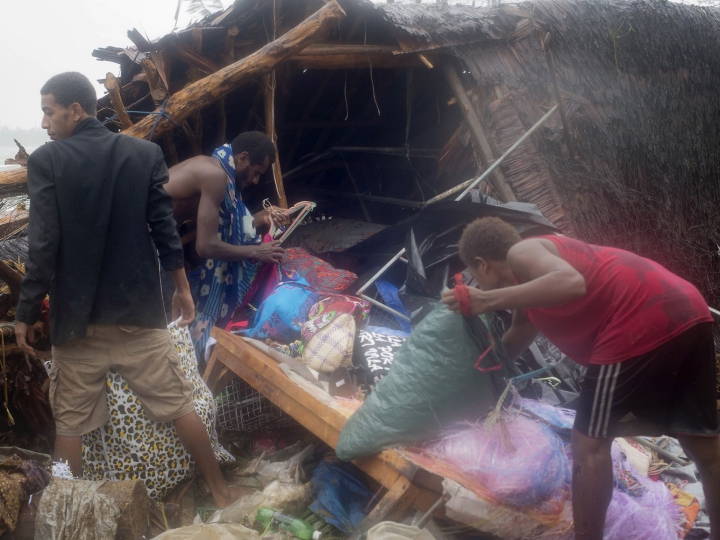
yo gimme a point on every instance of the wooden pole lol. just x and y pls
(113, 89)
(270, 82)
(159, 94)
(501, 185)
(218, 85)
(558, 98)
(194, 75)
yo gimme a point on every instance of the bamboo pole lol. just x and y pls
(478, 133)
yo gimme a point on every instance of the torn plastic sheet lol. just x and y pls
(432, 241)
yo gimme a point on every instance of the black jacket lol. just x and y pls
(92, 198)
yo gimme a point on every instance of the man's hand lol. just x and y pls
(24, 336)
(268, 252)
(480, 301)
(279, 216)
(183, 306)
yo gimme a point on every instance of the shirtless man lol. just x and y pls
(226, 241)
(199, 184)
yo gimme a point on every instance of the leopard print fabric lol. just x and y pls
(132, 447)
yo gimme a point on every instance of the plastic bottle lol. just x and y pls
(296, 527)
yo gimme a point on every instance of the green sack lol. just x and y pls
(432, 385)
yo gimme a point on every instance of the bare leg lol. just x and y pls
(592, 485)
(705, 452)
(69, 449)
(194, 437)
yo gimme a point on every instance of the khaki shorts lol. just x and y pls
(144, 357)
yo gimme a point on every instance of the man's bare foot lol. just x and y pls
(226, 497)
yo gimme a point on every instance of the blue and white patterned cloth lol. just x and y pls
(222, 285)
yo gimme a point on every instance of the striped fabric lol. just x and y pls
(223, 284)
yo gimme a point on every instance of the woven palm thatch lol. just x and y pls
(639, 82)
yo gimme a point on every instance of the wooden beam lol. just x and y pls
(17, 176)
(500, 184)
(330, 56)
(218, 85)
(113, 89)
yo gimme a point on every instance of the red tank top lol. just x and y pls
(632, 306)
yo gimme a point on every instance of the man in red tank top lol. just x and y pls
(644, 334)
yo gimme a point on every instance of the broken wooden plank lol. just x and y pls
(111, 85)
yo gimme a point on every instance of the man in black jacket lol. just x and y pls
(96, 200)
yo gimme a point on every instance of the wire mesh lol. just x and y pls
(242, 408)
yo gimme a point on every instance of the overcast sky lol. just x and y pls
(40, 38)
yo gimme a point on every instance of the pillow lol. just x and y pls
(331, 307)
(332, 346)
(319, 274)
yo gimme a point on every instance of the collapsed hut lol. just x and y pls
(378, 110)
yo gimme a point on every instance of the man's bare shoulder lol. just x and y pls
(199, 166)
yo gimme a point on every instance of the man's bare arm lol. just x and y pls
(207, 243)
(549, 281)
(520, 335)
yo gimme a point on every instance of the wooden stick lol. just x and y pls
(113, 89)
(556, 88)
(218, 85)
(501, 185)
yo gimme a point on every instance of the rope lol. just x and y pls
(462, 295)
(160, 114)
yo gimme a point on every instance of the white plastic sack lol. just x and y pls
(285, 498)
(216, 531)
(389, 530)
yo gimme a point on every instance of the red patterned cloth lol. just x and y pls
(320, 275)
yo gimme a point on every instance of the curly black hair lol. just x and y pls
(72, 87)
(256, 144)
(489, 238)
